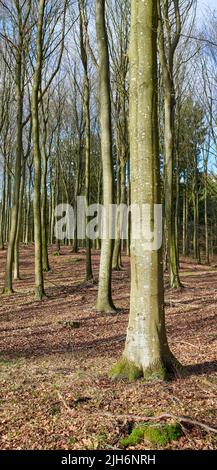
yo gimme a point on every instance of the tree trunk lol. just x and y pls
(104, 301)
(116, 260)
(184, 234)
(206, 210)
(83, 46)
(19, 224)
(28, 208)
(196, 212)
(8, 284)
(39, 280)
(169, 193)
(2, 208)
(146, 350)
(45, 261)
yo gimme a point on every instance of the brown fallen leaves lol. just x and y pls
(54, 389)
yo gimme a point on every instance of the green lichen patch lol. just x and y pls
(157, 435)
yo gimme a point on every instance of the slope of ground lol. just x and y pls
(54, 387)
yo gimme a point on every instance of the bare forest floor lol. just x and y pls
(54, 387)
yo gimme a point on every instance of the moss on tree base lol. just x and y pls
(40, 294)
(7, 291)
(163, 370)
(105, 307)
(116, 268)
(89, 278)
(175, 283)
(125, 370)
(46, 269)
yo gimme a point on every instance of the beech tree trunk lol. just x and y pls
(146, 350)
(8, 284)
(39, 279)
(104, 301)
(83, 46)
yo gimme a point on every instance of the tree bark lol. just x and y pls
(39, 280)
(104, 300)
(146, 350)
(8, 283)
(83, 46)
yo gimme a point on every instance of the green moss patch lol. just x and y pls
(125, 369)
(156, 373)
(73, 324)
(157, 435)
(6, 362)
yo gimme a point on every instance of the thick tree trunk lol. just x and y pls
(146, 350)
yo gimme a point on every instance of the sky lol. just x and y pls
(203, 4)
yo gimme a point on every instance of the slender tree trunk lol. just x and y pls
(98, 241)
(19, 224)
(177, 199)
(206, 210)
(116, 261)
(169, 192)
(77, 192)
(8, 206)
(45, 261)
(52, 217)
(104, 301)
(196, 212)
(39, 280)
(83, 45)
(206, 223)
(89, 273)
(28, 208)
(184, 234)
(129, 203)
(2, 208)
(117, 243)
(8, 284)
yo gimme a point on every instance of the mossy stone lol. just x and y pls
(157, 435)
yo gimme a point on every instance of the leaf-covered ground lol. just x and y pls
(54, 387)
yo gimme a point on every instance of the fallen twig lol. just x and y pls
(181, 419)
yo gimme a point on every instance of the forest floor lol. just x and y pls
(55, 392)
